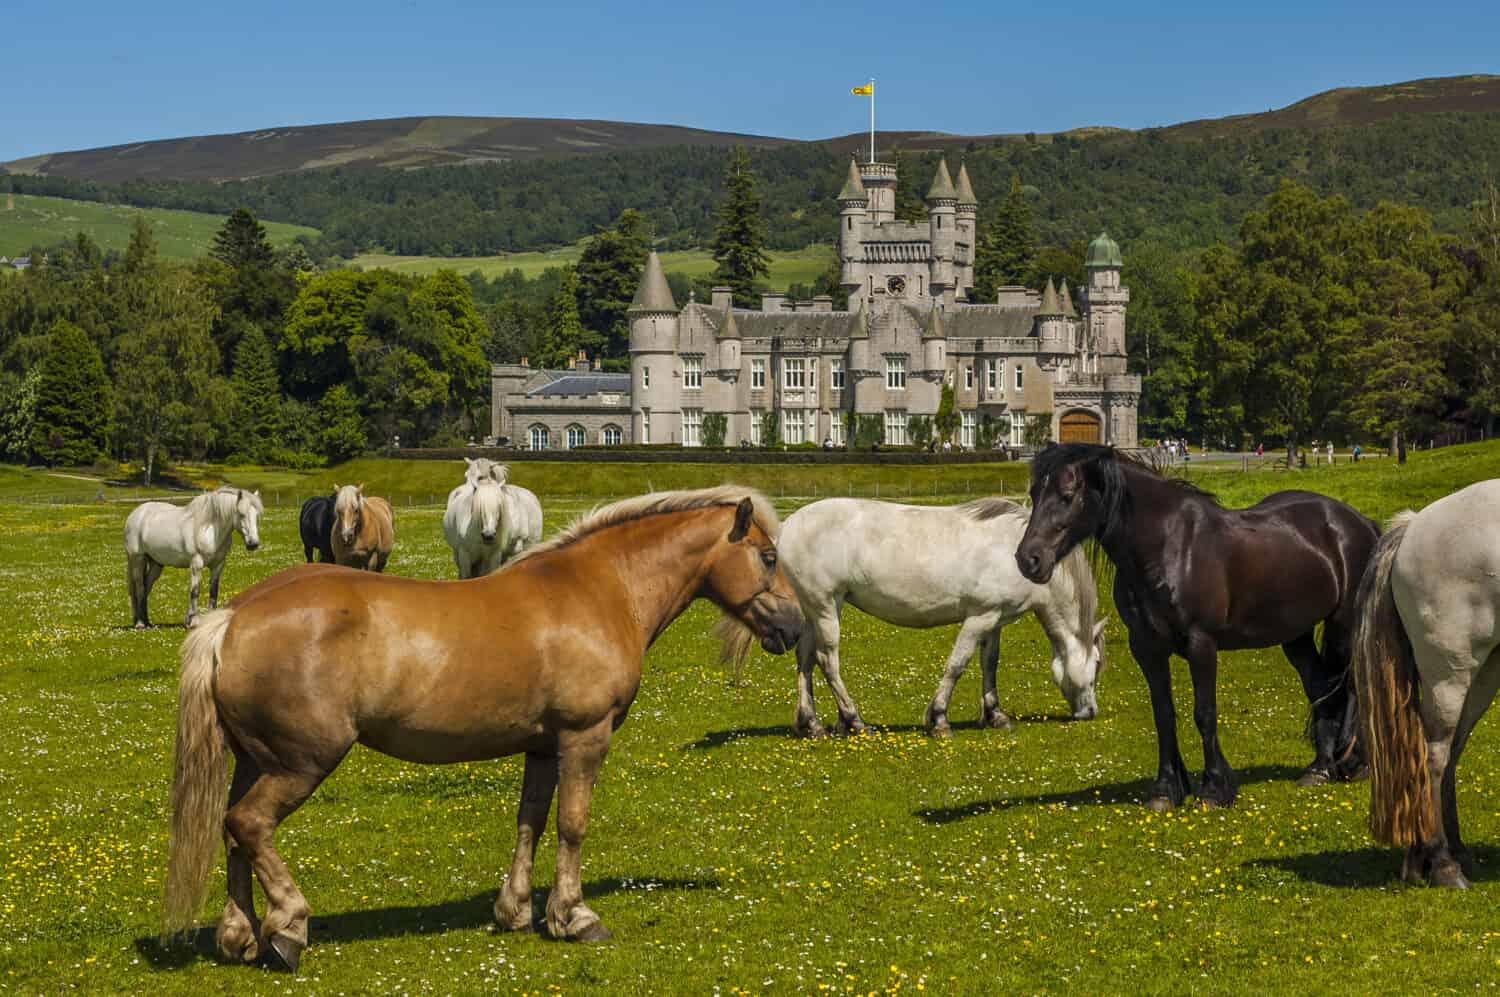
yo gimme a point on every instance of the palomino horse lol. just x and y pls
(1425, 668)
(1192, 577)
(195, 536)
(316, 526)
(925, 566)
(364, 528)
(315, 660)
(488, 523)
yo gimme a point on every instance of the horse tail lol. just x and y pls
(1384, 672)
(200, 786)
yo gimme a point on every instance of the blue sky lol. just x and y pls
(86, 74)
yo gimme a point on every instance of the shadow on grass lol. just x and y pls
(1366, 868)
(471, 912)
(1111, 794)
(719, 738)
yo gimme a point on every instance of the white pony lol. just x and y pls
(199, 534)
(1425, 668)
(926, 566)
(488, 520)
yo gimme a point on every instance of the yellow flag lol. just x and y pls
(868, 90)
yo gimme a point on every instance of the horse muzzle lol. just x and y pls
(251, 544)
(488, 538)
(782, 635)
(347, 536)
(1035, 566)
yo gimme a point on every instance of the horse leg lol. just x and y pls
(214, 572)
(1216, 788)
(990, 713)
(1303, 654)
(513, 905)
(580, 754)
(805, 723)
(850, 721)
(252, 822)
(238, 928)
(969, 636)
(1348, 752)
(135, 581)
(152, 572)
(196, 568)
(1171, 786)
(1481, 693)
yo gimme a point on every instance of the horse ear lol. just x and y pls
(469, 461)
(1099, 631)
(360, 487)
(336, 488)
(743, 513)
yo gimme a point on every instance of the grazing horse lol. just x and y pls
(1425, 668)
(364, 528)
(926, 566)
(488, 524)
(1192, 578)
(314, 660)
(316, 526)
(194, 536)
(478, 468)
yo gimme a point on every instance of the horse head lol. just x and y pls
(1076, 673)
(486, 498)
(348, 503)
(745, 578)
(1077, 491)
(247, 510)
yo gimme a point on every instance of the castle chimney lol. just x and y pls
(525, 361)
(581, 362)
(722, 297)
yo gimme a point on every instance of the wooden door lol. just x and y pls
(1080, 427)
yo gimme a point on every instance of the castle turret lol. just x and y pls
(934, 339)
(1105, 299)
(854, 203)
(942, 211)
(1052, 326)
(879, 181)
(967, 240)
(653, 344)
(729, 342)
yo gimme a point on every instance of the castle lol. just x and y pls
(911, 327)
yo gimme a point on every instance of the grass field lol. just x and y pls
(181, 235)
(787, 267)
(727, 856)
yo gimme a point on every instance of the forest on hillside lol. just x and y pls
(1180, 193)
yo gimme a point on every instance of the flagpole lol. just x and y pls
(872, 119)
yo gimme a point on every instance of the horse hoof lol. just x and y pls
(815, 733)
(285, 954)
(1448, 874)
(1360, 774)
(941, 731)
(1314, 777)
(1211, 804)
(997, 722)
(595, 932)
(856, 726)
(1160, 804)
(141, 626)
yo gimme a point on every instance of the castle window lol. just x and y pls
(794, 372)
(966, 430)
(793, 426)
(758, 374)
(538, 437)
(969, 378)
(836, 374)
(851, 223)
(895, 374)
(756, 415)
(992, 374)
(576, 437)
(692, 372)
(645, 377)
(895, 427)
(1017, 428)
(611, 436)
(646, 426)
(692, 427)
(1018, 377)
(812, 373)
(836, 430)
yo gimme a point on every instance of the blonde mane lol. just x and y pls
(989, 508)
(658, 503)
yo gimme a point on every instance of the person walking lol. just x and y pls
(1330, 453)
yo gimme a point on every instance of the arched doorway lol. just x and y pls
(1080, 427)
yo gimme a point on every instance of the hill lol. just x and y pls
(787, 267)
(47, 221)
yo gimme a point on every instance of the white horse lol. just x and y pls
(926, 566)
(479, 468)
(199, 534)
(487, 522)
(1425, 668)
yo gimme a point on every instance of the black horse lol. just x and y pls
(1192, 578)
(316, 524)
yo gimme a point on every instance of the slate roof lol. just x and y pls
(965, 189)
(591, 383)
(988, 322)
(942, 184)
(854, 187)
(653, 294)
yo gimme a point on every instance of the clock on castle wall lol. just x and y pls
(896, 286)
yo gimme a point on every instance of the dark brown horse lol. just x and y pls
(314, 660)
(1193, 578)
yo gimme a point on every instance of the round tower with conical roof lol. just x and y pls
(1105, 299)
(654, 378)
(942, 216)
(966, 240)
(854, 203)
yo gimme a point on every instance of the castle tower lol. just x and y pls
(854, 203)
(1104, 304)
(653, 361)
(967, 236)
(942, 211)
(1052, 326)
(879, 181)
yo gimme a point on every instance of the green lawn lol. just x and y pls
(180, 234)
(787, 267)
(725, 855)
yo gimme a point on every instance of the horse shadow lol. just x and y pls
(1111, 794)
(719, 738)
(467, 914)
(1367, 868)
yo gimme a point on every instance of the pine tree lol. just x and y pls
(141, 254)
(242, 242)
(608, 273)
(1007, 246)
(740, 235)
(909, 204)
(72, 400)
(564, 334)
(258, 395)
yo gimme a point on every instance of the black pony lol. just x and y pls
(316, 524)
(1192, 578)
